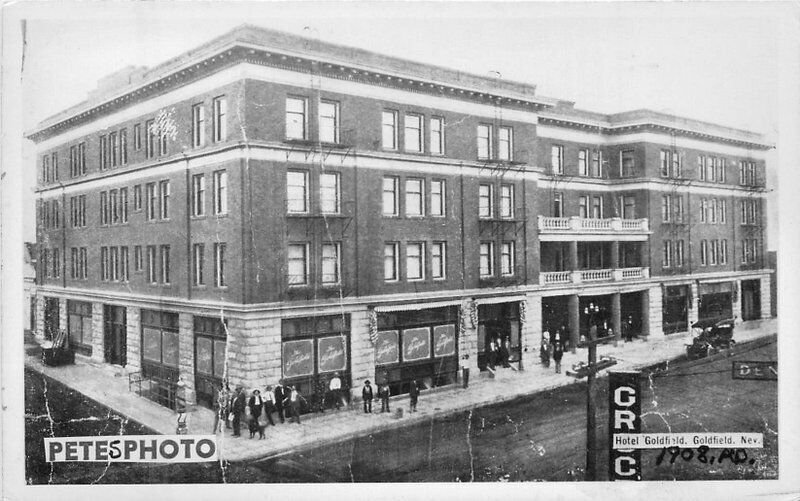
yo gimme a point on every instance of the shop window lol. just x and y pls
(159, 344)
(79, 322)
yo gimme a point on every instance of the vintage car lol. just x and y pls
(711, 335)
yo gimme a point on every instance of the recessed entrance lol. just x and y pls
(115, 334)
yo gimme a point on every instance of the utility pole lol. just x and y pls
(591, 428)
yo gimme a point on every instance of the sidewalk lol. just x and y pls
(108, 385)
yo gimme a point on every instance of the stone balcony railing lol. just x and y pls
(585, 225)
(590, 276)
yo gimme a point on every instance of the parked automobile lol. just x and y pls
(711, 336)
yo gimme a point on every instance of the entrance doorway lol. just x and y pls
(751, 299)
(499, 323)
(50, 317)
(675, 309)
(115, 334)
(631, 314)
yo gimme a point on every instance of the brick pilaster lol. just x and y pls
(766, 296)
(134, 340)
(98, 337)
(186, 355)
(531, 334)
(362, 352)
(653, 306)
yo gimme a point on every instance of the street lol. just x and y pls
(539, 437)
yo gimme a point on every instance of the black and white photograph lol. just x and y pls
(433, 249)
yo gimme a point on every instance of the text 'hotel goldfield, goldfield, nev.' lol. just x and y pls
(269, 207)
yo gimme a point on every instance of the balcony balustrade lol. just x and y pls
(587, 225)
(591, 276)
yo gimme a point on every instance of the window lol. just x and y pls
(84, 263)
(415, 268)
(56, 214)
(329, 122)
(137, 137)
(220, 192)
(664, 162)
(137, 258)
(390, 198)
(329, 193)
(54, 165)
(73, 161)
(389, 129)
(507, 259)
(505, 143)
(331, 263)
(712, 212)
(114, 263)
(703, 210)
(297, 191)
(597, 207)
(152, 277)
(123, 146)
(701, 167)
(103, 208)
(114, 203)
(597, 164)
(219, 122)
(714, 252)
(723, 167)
(485, 142)
(627, 163)
(103, 263)
(73, 260)
(486, 263)
(150, 142)
(485, 201)
(390, 262)
(198, 125)
(198, 257)
(558, 204)
(296, 121)
(676, 164)
(723, 211)
(160, 337)
(297, 256)
(114, 148)
(583, 207)
(103, 152)
(678, 202)
(583, 162)
(210, 334)
(45, 174)
(507, 200)
(56, 263)
(557, 159)
(198, 195)
(123, 205)
(79, 322)
(165, 264)
(438, 198)
(703, 253)
(82, 157)
(162, 143)
(163, 190)
(679, 253)
(627, 207)
(666, 260)
(439, 260)
(710, 172)
(415, 191)
(723, 252)
(219, 264)
(137, 197)
(413, 133)
(437, 136)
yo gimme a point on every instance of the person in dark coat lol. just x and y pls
(492, 355)
(383, 393)
(237, 408)
(366, 396)
(280, 395)
(256, 404)
(292, 401)
(413, 394)
(269, 404)
(544, 350)
(558, 352)
(222, 407)
(505, 353)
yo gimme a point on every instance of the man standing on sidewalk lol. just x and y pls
(366, 396)
(383, 393)
(293, 400)
(280, 396)
(558, 352)
(413, 393)
(335, 387)
(239, 403)
(269, 404)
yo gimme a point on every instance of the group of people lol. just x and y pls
(552, 346)
(499, 352)
(367, 395)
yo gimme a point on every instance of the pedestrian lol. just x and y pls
(505, 352)
(366, 396)
(544, 351)
(280, 395)
(558, 352)
(335, 387)
(383, 394)
(320, 390)
(237, 409)
(221, 407)
(492, 353)
(627, 329)
(413, 394)
(293, 402)
(256, 404)
(269, 404)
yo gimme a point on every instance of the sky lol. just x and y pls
(715, 62)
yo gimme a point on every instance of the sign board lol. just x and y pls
(331, 355)
(763, 370)
(624, 417)
(297, 358)
(444, 340)
(416, 344)
(387, 350)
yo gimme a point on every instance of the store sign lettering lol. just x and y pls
(297, 358)
(416, 344)
(386, 350)
(445, 341)
(331, 354)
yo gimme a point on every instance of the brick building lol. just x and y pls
(272, 207)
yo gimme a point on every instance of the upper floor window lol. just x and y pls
(627, 163)
(150, 143)
(389, 129)
(507, 200)
(722, 166)
(151, 201)
(198, 195)
(557, 159)
(103, 208)
(103, 152)
(390, 196)
(114, 147)
(220, 192)
(137, 137)
(437, 136)
(165, 264)
(507, 258)
(485, 201)
(331, 263)
(297, 191)
(415, 269)
(415, 195)
(329, 122)
(123, 146)
(329, 193)
(198, 258)
(583, 162)
(703, 252)
(198, 125)
(219, 119)
(583, 207)
(298, 264)
(219, 264)
(747, 173)
(164, 192)
(558, 204)
(711, 173)
(437, 198)
(627, 207)
(390, 261)
(162, 143)
(597, 164)
(137, 197)
(597, 207)
(485, 150)
(413, 133)
(438, 260)
(505, 143)
(701, 167)
(486, 260)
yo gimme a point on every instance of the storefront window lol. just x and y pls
(210, 336)
(416, 344)
(79, 321)
(159, 344)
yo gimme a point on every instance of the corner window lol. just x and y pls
(220, 192)
(198, 195)
(557, 159)
(219, 122)
(331, 263)
(627, 163)
(439, 260)
(198, 125)
(507, 201)
(438, 198)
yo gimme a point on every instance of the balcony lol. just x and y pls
(591, 276)
(555, 228)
